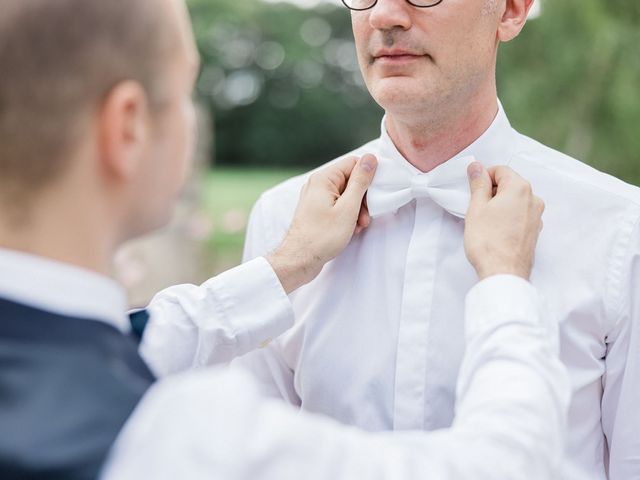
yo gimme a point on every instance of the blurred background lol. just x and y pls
(280, 93)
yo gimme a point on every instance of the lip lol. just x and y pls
(396, 56)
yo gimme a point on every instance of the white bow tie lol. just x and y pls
(394, 186)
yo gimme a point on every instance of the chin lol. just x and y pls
(405, 94)
(397, 99)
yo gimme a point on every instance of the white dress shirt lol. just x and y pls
(214, 423)
(512, 398)
(378, 338)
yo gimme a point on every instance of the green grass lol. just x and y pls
(229, 195)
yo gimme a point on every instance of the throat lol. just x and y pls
(427, 142)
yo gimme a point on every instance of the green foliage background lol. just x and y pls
(282, 85)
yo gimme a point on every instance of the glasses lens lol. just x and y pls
(366, 4)
(425, 3)
(359, 4)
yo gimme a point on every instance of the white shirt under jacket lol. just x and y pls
(379, 335)
(214, 423)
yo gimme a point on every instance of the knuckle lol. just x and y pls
(313, 178)
(502, 169)
(505, 172)
(347, 164)
(524, 188)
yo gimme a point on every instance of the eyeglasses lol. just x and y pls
(360, 5)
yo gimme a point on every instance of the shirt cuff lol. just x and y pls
(253, 300)
(500, 300)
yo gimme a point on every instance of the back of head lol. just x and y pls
(59, 59)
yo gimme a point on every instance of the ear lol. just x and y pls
(124, 130)
(513, 19)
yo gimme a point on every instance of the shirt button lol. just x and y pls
(266, 343)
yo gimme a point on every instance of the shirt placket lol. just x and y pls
(415, 316)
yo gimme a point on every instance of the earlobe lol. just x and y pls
(123, 125)
(513, 19)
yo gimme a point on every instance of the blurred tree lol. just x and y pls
(571, 80)
(284, 87)
(282, 82)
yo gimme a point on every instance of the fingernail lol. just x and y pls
(367, 164)
(475, 170)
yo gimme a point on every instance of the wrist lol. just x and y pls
(293, 266)
(503, 268)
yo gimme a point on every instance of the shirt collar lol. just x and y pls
(493, 147)
(62, 288)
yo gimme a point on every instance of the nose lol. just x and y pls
(390, 14)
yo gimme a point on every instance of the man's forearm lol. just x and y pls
(227, 316)
(513, 391)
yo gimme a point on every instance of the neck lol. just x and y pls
(63, 229)
(428, 140)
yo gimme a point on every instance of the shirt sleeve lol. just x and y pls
(621, 380)
(227, 316)
(513, 396)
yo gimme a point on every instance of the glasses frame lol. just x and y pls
(375, 2)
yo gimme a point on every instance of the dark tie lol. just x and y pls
(138, 320)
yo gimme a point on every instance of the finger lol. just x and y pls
(335, 175)
(363, 217)
(344, 167)
(359, 181)
(507, 180)
(480, 184)
(500, 176)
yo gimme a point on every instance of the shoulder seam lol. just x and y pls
(615, 277)
(550, 167)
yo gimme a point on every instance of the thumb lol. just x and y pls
(359, 181)
(480, 184)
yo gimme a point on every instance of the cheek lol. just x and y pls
(185, 147)
(189, 133)
(191, 124)
(470, 47)
(361, 32)
(174, 147)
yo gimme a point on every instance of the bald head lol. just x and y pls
(59, 60)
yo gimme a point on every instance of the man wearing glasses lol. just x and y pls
(96, 126)
(379, 334)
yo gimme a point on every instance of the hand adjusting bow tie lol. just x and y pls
(394, 186)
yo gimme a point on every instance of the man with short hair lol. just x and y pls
(379, 334)
(95, 132)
